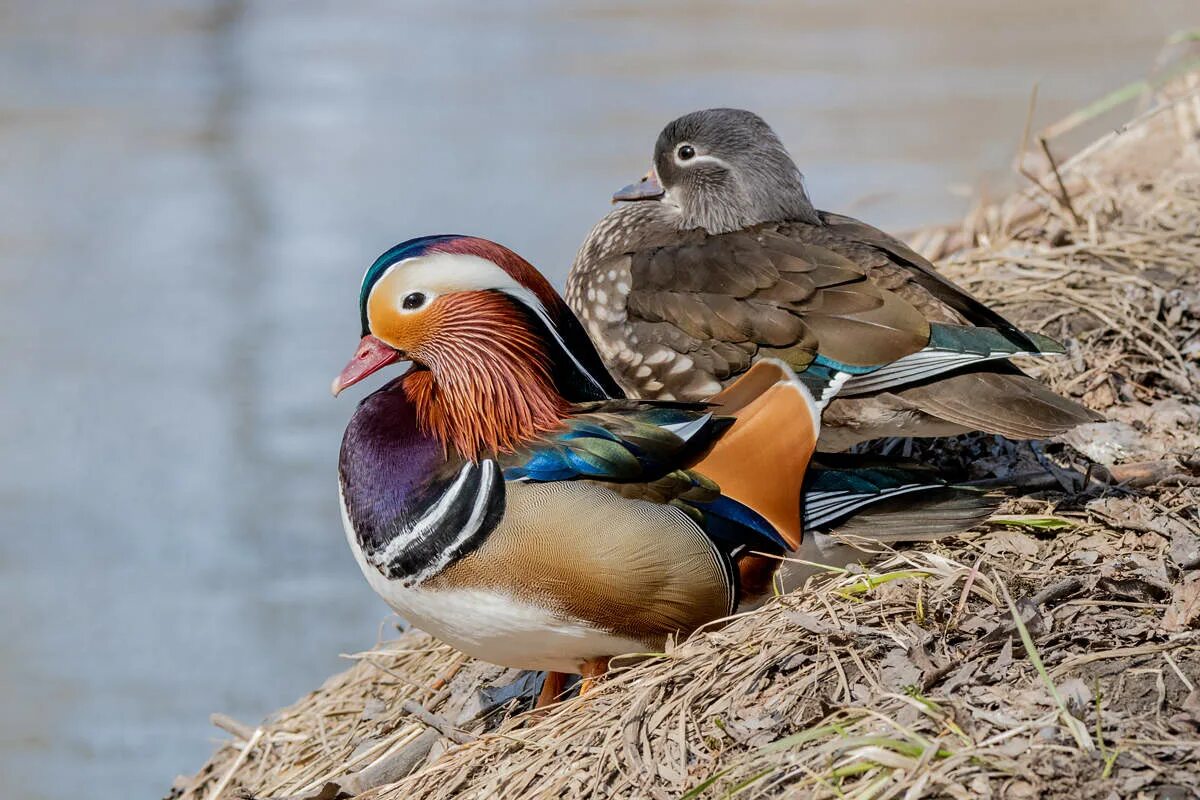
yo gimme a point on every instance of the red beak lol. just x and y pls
(372, 355)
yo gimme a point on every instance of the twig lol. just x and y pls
(237, 764)
(390, 767)
(230, 725)
(1028, 124)
(437, 722)
(1056, 591)
(393, 766)
(966, 590)
(1117, 652)
(449, 674)
(1062, 187)
(1191, 687)
(1137, 475)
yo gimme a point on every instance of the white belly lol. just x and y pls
(493, 626)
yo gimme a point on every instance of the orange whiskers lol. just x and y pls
(488, 388)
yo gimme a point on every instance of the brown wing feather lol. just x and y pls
(677, 314)
(865, 326)
(1016, 405)
(792, 296)
(941, 297)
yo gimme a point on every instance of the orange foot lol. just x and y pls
(552, 687)
(592, 670)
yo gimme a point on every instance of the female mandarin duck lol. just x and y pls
(724, 261)
(504, 496)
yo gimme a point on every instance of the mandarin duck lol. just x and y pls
(717, 259)
(503, 495)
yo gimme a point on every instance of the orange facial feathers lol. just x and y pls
(488, 388)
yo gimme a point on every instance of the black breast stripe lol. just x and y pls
(442, 525)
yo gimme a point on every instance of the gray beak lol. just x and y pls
(648, 188)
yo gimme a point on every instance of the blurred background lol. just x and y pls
(189, 193)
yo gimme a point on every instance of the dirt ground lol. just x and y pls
(1054, 652)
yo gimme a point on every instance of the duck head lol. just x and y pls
(723, 169)
(496, 355)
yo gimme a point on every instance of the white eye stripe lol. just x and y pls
(435, 274)
(698, 159)
(445, 273)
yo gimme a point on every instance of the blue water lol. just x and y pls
(189, 193)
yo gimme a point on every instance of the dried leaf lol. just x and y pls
(898, 670)
(1184, 611)
(1011, 541)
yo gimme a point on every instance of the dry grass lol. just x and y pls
(919, 676)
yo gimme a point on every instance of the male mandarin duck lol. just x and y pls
(717, 258)
(505, 496)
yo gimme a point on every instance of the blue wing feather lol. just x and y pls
(587, 429)
(727, 522)
(643, 445)
(586, 448)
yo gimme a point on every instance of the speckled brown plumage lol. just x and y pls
(678, 320)
(678, 311)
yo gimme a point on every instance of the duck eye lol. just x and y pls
(685, 152)
(411, 301)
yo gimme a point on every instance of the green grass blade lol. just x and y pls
(1037, 522)
(1078, 732)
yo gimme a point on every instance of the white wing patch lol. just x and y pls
(821, 508)
(686, 430)
(916, 367)
(832, 388)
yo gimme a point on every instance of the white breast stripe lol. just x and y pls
(478, 512)
(428, 521)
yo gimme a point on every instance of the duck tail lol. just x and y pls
(888, 500)
(854, 503)
(1002, 400)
